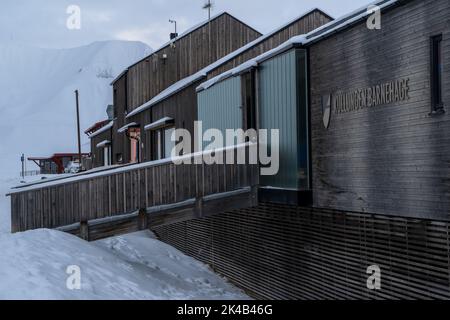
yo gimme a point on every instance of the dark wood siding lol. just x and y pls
(97, 153)
(302, 26)
(390, 159)
(188, 55)
(182, 107)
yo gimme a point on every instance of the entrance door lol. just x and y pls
(135, 138)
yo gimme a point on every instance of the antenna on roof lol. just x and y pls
(174, 34)
(208, 6)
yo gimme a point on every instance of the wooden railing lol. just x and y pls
(153, 193)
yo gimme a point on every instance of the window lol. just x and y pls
(164, 143)
(437, 103)
(248, 82)
(107, 156)
(168, 143)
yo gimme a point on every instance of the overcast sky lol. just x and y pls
(43, 23)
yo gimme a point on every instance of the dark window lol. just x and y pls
(249, 103)
(436, 74)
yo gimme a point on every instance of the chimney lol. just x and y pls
(173, 35)
(110, 112)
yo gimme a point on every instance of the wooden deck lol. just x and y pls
(130, 198)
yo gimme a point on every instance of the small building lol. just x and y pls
(100, 135)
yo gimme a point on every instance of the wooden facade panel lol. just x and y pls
(393, 158)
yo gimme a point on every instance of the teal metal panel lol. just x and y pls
(281, 107)
(220, 107)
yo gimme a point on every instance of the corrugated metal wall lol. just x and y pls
(220, 107)
(278, 110)
(288, 252)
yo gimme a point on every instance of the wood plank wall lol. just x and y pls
(118, 193)
(182, 107)
(389, 159)
(286, 252)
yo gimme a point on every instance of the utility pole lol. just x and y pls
(78, 125)
(208, 6)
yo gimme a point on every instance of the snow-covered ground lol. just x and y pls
(135, 266)
(34, 265)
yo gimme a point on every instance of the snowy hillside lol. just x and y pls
(37, 103)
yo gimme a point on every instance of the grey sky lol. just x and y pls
(43, 23)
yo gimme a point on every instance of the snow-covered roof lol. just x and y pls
(186, 82)
(158, 124)
(176, 87)
(313, 36)
(252, 63)
(103, 129)
(180, 36)
(103, 144)
(127, 126)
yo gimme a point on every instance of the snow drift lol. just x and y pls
(137, 266)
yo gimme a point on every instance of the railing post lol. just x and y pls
(142, 220)
(84, 230)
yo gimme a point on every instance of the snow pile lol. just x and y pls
(136, 266)
(38, 102)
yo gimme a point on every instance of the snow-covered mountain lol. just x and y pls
(37, 101)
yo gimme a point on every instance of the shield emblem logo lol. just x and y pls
(326, 110)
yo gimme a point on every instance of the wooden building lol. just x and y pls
(100, 135)
(181, 57)
(363, 183)
(178, 102)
